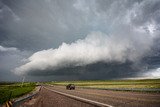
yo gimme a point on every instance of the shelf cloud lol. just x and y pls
(96, 47)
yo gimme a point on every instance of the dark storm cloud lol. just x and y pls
(69, 37)
(44, 24)
(10, 57)
(98, 70)
(148, 12)
(41, 24)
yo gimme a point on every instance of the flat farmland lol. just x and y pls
(134, 85)
(111, 93)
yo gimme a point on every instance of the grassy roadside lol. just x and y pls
(9, 91)
(114, 84)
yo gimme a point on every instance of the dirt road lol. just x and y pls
(48, 98)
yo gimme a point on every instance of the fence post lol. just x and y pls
(10, 95)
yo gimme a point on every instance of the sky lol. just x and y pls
(47, 40)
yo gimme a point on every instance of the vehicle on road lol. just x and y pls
(70, 87)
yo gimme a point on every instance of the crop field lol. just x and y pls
(114, 84)
(13, 90)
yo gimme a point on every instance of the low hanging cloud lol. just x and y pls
(153, 73)
(96, 47)
(4, 49)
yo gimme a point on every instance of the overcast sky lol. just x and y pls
(44, 40)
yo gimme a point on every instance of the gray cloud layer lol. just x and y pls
(79, 32)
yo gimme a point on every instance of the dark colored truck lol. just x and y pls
(70, 87)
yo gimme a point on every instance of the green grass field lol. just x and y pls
(14, 90)
(109, 84)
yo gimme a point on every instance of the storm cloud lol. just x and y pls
(73, 35)
(96, 47)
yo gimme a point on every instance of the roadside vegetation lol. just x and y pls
(13, 90)
(153, 84)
